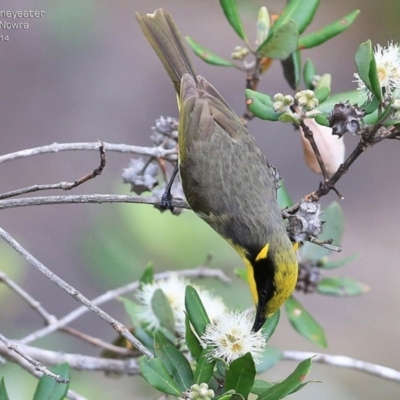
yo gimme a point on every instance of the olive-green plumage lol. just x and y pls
(226, 179)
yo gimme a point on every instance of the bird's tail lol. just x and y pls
(163, 35)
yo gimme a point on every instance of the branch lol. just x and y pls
(79, 199)
(118, 327)
(76, 361)
(202, 272)
(157, 152)
(344, 362)
(37, 365)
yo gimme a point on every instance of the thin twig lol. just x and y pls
(123, 351)
(76, 361)
(95, 172)
(38, 366)
(344, 362)
(92, 198)
(48, 318)
(156, 152)
(118, 326)
(202, 272)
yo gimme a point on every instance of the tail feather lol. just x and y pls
(163, 35)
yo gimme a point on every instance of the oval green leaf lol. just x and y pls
(322, 93)
(341, 287)
(270, 325)
(288, 385)
(300, 11)
(162, 310)
(304, 323)
(191, 340)
(174, 361)
(282, 43)
(207, 55)
(3, 391)
(241, 375)
(147, 275)
(232, 15)
(366, 68)
(328, 32)
(291, 69)
(196, 311)
(309, 72)
(261, 105)
(49, 389)
(155, 373)
(205, 368)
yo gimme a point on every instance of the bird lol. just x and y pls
(226, 179)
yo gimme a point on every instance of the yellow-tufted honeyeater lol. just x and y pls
(226, 179)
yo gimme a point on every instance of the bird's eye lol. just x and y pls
(264, 293)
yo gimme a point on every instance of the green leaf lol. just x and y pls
(288, 385)
(155, 373)
(263, 24)
(207, 55)
(191, 340)
(232, 15)
(290, 118)
(162, 310)
(174, 361)
(241, 374)
(205, 368)
(333, 229)
(147, 275)
(260, 105)
(132, 309)
(271, 356)
(49, 389)
(281, 43)
(328, 32)
(260, 386)
(292, 69)
(337, 263)
(270, 325)
(366, 68)
(3, 391)
(322, 93)
(284, 198)
(196, 311)
(309, 72)
(341, 287)
(304, 323)
(321, 119)
(300, 11)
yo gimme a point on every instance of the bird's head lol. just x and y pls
(272, 275)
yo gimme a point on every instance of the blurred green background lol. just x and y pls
(84, 72)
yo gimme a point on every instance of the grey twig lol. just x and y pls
(38, 366)
(157, 152)
(120, 328)
(344, 362)
(79, 199)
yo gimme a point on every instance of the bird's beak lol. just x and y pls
(260, 319)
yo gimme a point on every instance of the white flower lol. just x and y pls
(174, 289)
(387, 61)
(231, 337)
